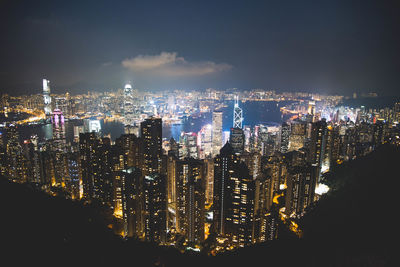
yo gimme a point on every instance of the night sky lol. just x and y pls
(336, 47)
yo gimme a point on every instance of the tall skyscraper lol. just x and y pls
(95, 167)
(216, 132)
(285, 135)
(128, 105)
(237, 114)
(190, 198)
(155, 208)
(234, 190)
(46, 97)
(59, 148)
(128, 196)
(300, 190)
(236, 140)
(151, 134)
(297, 135)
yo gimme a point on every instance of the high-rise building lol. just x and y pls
(237, 114)
(151, 135)
(300, 192)
(236, 140)
(204, 139)
(128, 197)
(95, 157)
(59, 149)
(189, 148)
(15, 158)
(46, 97)
(285, 135)
(128, 105)
(297, 135)
(190, 198)
(73, 180)
(155, 208)
(216, 132)
(234, 190)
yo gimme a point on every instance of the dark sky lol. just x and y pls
(319, 46)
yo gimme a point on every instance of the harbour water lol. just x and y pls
(254, 112)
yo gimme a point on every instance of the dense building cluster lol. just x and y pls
(234, 192)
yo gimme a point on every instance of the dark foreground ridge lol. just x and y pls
(353, 225)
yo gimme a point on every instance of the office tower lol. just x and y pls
(46, 97)
(204, 140)
(91, 125)
(233, 202)
(73, 181)
(268, 139)
(237, 114)
(128, 197)
(59, 148)
(297, 135)
(15, 159)
(189, 148)
(129, 147)
(285, 135)
(151, 135)
(155, 208)
(247, 138)
(236, 140)
(128, 105)
(216, 132)
(300, 192)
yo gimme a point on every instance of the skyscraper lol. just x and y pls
(155, 208)
(285, 134)
(128, 105)
(59, 148)
(237, 114)
(216, 132)
(128, 200)
(46, 97)
(151, 134)
(234, 190)
(236, 140)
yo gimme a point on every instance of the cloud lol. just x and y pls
(169, 64)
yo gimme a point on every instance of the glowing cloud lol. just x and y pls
(169, 64)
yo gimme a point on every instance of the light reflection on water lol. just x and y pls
(253, 113)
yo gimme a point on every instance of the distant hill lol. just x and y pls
(355, 224)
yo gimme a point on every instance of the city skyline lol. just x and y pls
(326, 47)
(199, 133)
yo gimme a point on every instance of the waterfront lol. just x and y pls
(254, 112)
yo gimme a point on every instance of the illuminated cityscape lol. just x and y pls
(168, 156)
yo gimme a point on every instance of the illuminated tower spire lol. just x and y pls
(237, 114)
(128, 104)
